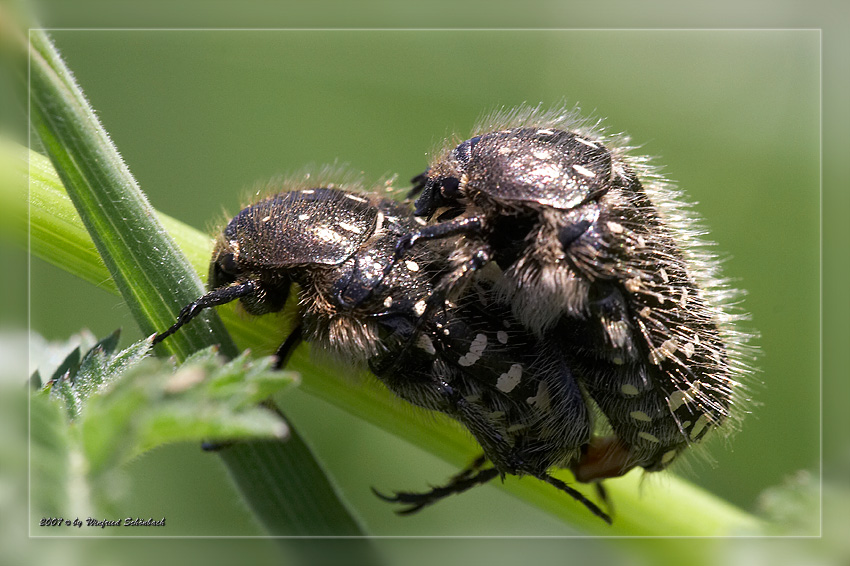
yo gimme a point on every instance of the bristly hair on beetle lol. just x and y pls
(600, 252)
(469, 358)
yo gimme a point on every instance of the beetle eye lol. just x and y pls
(227, 264)
(450, 188)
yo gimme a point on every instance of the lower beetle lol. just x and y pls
(468, 357)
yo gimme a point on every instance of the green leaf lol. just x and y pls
(51, 475)
(152, 404)
(75, 380)
(123, 404)
(61, 385)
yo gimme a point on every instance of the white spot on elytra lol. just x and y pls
(419, 308)
(509, 380)
(615, 228)
(546, 172)
(504, 150)
(645, 312)
(668, 348)
(649, 437)
(303, 217)
(545, 132)
(640, 416)
(266, 218)
(688, 349)
(351, 227)
(632, 285)
(676, 400)
(424, 343)
(655, 356)
(478, 344)
(541, 399)
(683, 299)
(355, 198)
(588, 143)
(701, 423)
(583, 171)
(412, 265)
(542, 153)
(476, 348)
(308, 191)
(629, 389)
(388, 302)
(663, 275)
(328, 235)
(502, 337)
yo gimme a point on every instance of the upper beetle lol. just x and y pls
(599, 252)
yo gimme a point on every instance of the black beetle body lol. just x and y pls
(469, 358)
(596, 252)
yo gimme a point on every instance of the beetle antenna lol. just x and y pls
(216, 297)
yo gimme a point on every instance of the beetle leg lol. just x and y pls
(458, 484)
(292, 341)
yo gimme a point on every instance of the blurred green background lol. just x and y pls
(201, 116)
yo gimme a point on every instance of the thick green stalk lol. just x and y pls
(151, 274)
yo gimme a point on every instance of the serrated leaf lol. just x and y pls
(75, 381)
(93, 371)
(153, 404)
(126, 359)
(47, 356)
(61, 385)
(120, 405)
(68, 367)
(180, 423)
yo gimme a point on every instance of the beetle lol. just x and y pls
(598, 251)
(469, 358)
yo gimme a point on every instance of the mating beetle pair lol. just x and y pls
(553, 277)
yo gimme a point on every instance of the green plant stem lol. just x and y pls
(154, 278)
(151, 274)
